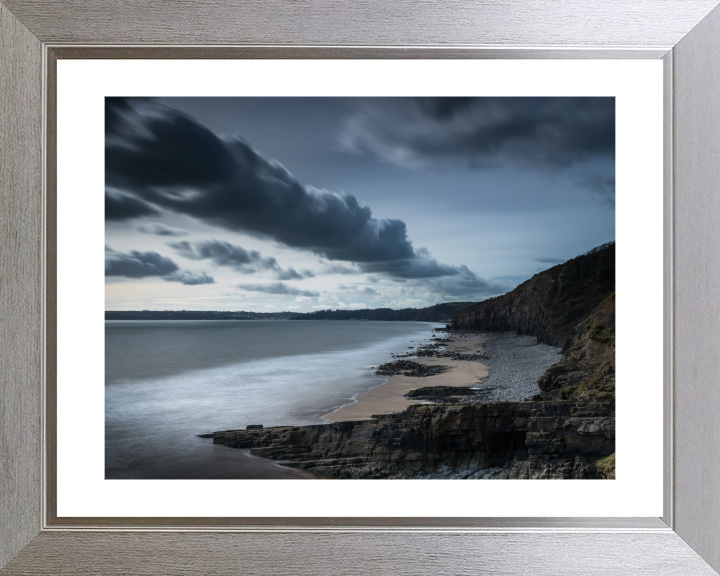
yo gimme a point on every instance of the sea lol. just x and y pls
(168, 381)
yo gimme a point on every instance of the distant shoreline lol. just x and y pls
(440, 313)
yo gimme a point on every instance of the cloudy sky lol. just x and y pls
(271, 204)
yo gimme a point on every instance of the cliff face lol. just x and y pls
(587, 369)
(549, 305)
(560, 439)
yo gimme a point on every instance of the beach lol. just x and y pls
(389, 397)
(501, 367)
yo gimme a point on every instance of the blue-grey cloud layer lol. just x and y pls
(236, 257)
(119, 206)
(278, 288)
(150, 264)
(484, 132)
(160, 229)
(159, 158)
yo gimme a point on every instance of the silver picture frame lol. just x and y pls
(684, 34)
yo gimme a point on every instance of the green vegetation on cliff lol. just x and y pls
(606, 466)
(586, 372)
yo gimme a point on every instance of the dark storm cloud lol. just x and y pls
(120, 207)
(278, 288)
(160, 229)
(421, 266)
(444, 108)
(225, 254)
(484, 132)
(154, 146)
(148, 264)
(164, 157)
(236, 257)
(137, 264)
(290, 273)
(189, 278)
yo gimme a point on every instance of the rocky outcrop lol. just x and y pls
(558, 439)
(551, 303)
(452, 355)
(445, 394)
(409, 368)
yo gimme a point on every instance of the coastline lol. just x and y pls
(389, 397)
(545, 410)
(487, 430)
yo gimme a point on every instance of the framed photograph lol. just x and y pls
(281, 186)
(309, 326)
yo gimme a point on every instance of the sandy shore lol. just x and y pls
(389, 397)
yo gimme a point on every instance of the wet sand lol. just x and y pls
(389, 397)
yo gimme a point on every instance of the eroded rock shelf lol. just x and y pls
(558, 439)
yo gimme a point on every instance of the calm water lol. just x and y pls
(167, 381)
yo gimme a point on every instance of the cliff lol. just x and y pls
(549, 305)
(587, 369)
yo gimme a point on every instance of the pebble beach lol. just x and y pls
(514, 365)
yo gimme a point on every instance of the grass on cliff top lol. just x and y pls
(607, 466)
(602, 334)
